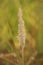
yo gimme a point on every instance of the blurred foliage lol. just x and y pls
(33, 19)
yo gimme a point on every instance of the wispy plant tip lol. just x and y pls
(21, 29)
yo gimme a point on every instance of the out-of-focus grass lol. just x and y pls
(33, 19)
(32, 12)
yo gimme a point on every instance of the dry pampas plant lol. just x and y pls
(21, 33)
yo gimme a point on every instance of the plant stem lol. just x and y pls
(22, 55)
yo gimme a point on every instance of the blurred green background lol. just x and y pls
(33, 19)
